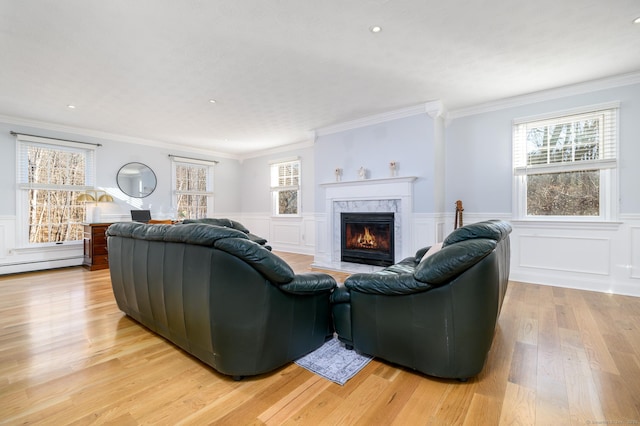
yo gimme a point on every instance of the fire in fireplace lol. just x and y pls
(367, 238)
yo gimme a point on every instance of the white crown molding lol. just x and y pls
(433, 109)
(545, 95)
(111, 136)
(277, 150)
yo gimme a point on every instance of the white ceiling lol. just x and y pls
(279, 69)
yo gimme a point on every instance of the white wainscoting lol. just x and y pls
(588, 256)
(290, 234)
(564, 253)
(635, 251)
(428, 229)
(15, 260)
(3, 238)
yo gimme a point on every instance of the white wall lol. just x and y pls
(408, 140)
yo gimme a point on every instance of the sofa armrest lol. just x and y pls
(341, 313)
(309, 283)
(340, 295)
(452, 260)
(268, 264)
(387, 284)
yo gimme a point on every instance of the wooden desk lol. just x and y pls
(95, 246)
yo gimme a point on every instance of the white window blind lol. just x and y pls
(576, 141)
(53, 164)
(286, 176)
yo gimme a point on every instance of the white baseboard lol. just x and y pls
(15, 268)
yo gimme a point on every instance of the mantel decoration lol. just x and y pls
(338, 173)
(393, 168)
(362, 173)
(94, 196)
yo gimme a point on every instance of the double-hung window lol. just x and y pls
(192, 187)
(285, 187)
(51, 174)
(565, 164)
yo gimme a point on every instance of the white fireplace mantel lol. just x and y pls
(385, 194)
(362, 182)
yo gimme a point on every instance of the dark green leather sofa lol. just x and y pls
(436, 314)
(219, 296)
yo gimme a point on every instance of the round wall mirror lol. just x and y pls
(136, 180)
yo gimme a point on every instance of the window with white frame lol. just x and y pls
(565, 164)
(51, 174)
(285, 187)
(192, 181)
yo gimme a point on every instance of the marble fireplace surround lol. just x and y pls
(393, 194)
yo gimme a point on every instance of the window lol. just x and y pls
(51, 175)
(192, 187)
(285, 187)
(565, 165)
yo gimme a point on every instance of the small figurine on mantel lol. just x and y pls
(338, 174)
(393, 168)
(362, 173)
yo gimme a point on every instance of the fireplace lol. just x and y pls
(367, 238)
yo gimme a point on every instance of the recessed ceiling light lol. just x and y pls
(71, 106)
(375, 29)
(637, 20)
(212, 101)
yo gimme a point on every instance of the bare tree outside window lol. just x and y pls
(287, 202)
(54, 179)
(192, 190)
(564, 194)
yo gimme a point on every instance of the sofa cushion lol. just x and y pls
(219, 222)
(268, 264)
(310, 283)
(405, 266)
(487, 229)
(382, 283)
(194, 233)
(453, 260)
(124, 229)
(256, 239)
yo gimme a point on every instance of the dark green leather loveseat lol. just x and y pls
(219, 296)
(436, 314)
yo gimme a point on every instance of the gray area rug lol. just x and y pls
(334, 362)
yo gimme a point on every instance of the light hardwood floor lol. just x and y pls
(69, 356)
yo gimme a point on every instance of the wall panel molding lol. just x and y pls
(563, 253)
(634, 250)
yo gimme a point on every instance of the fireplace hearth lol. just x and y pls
(367, 238)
